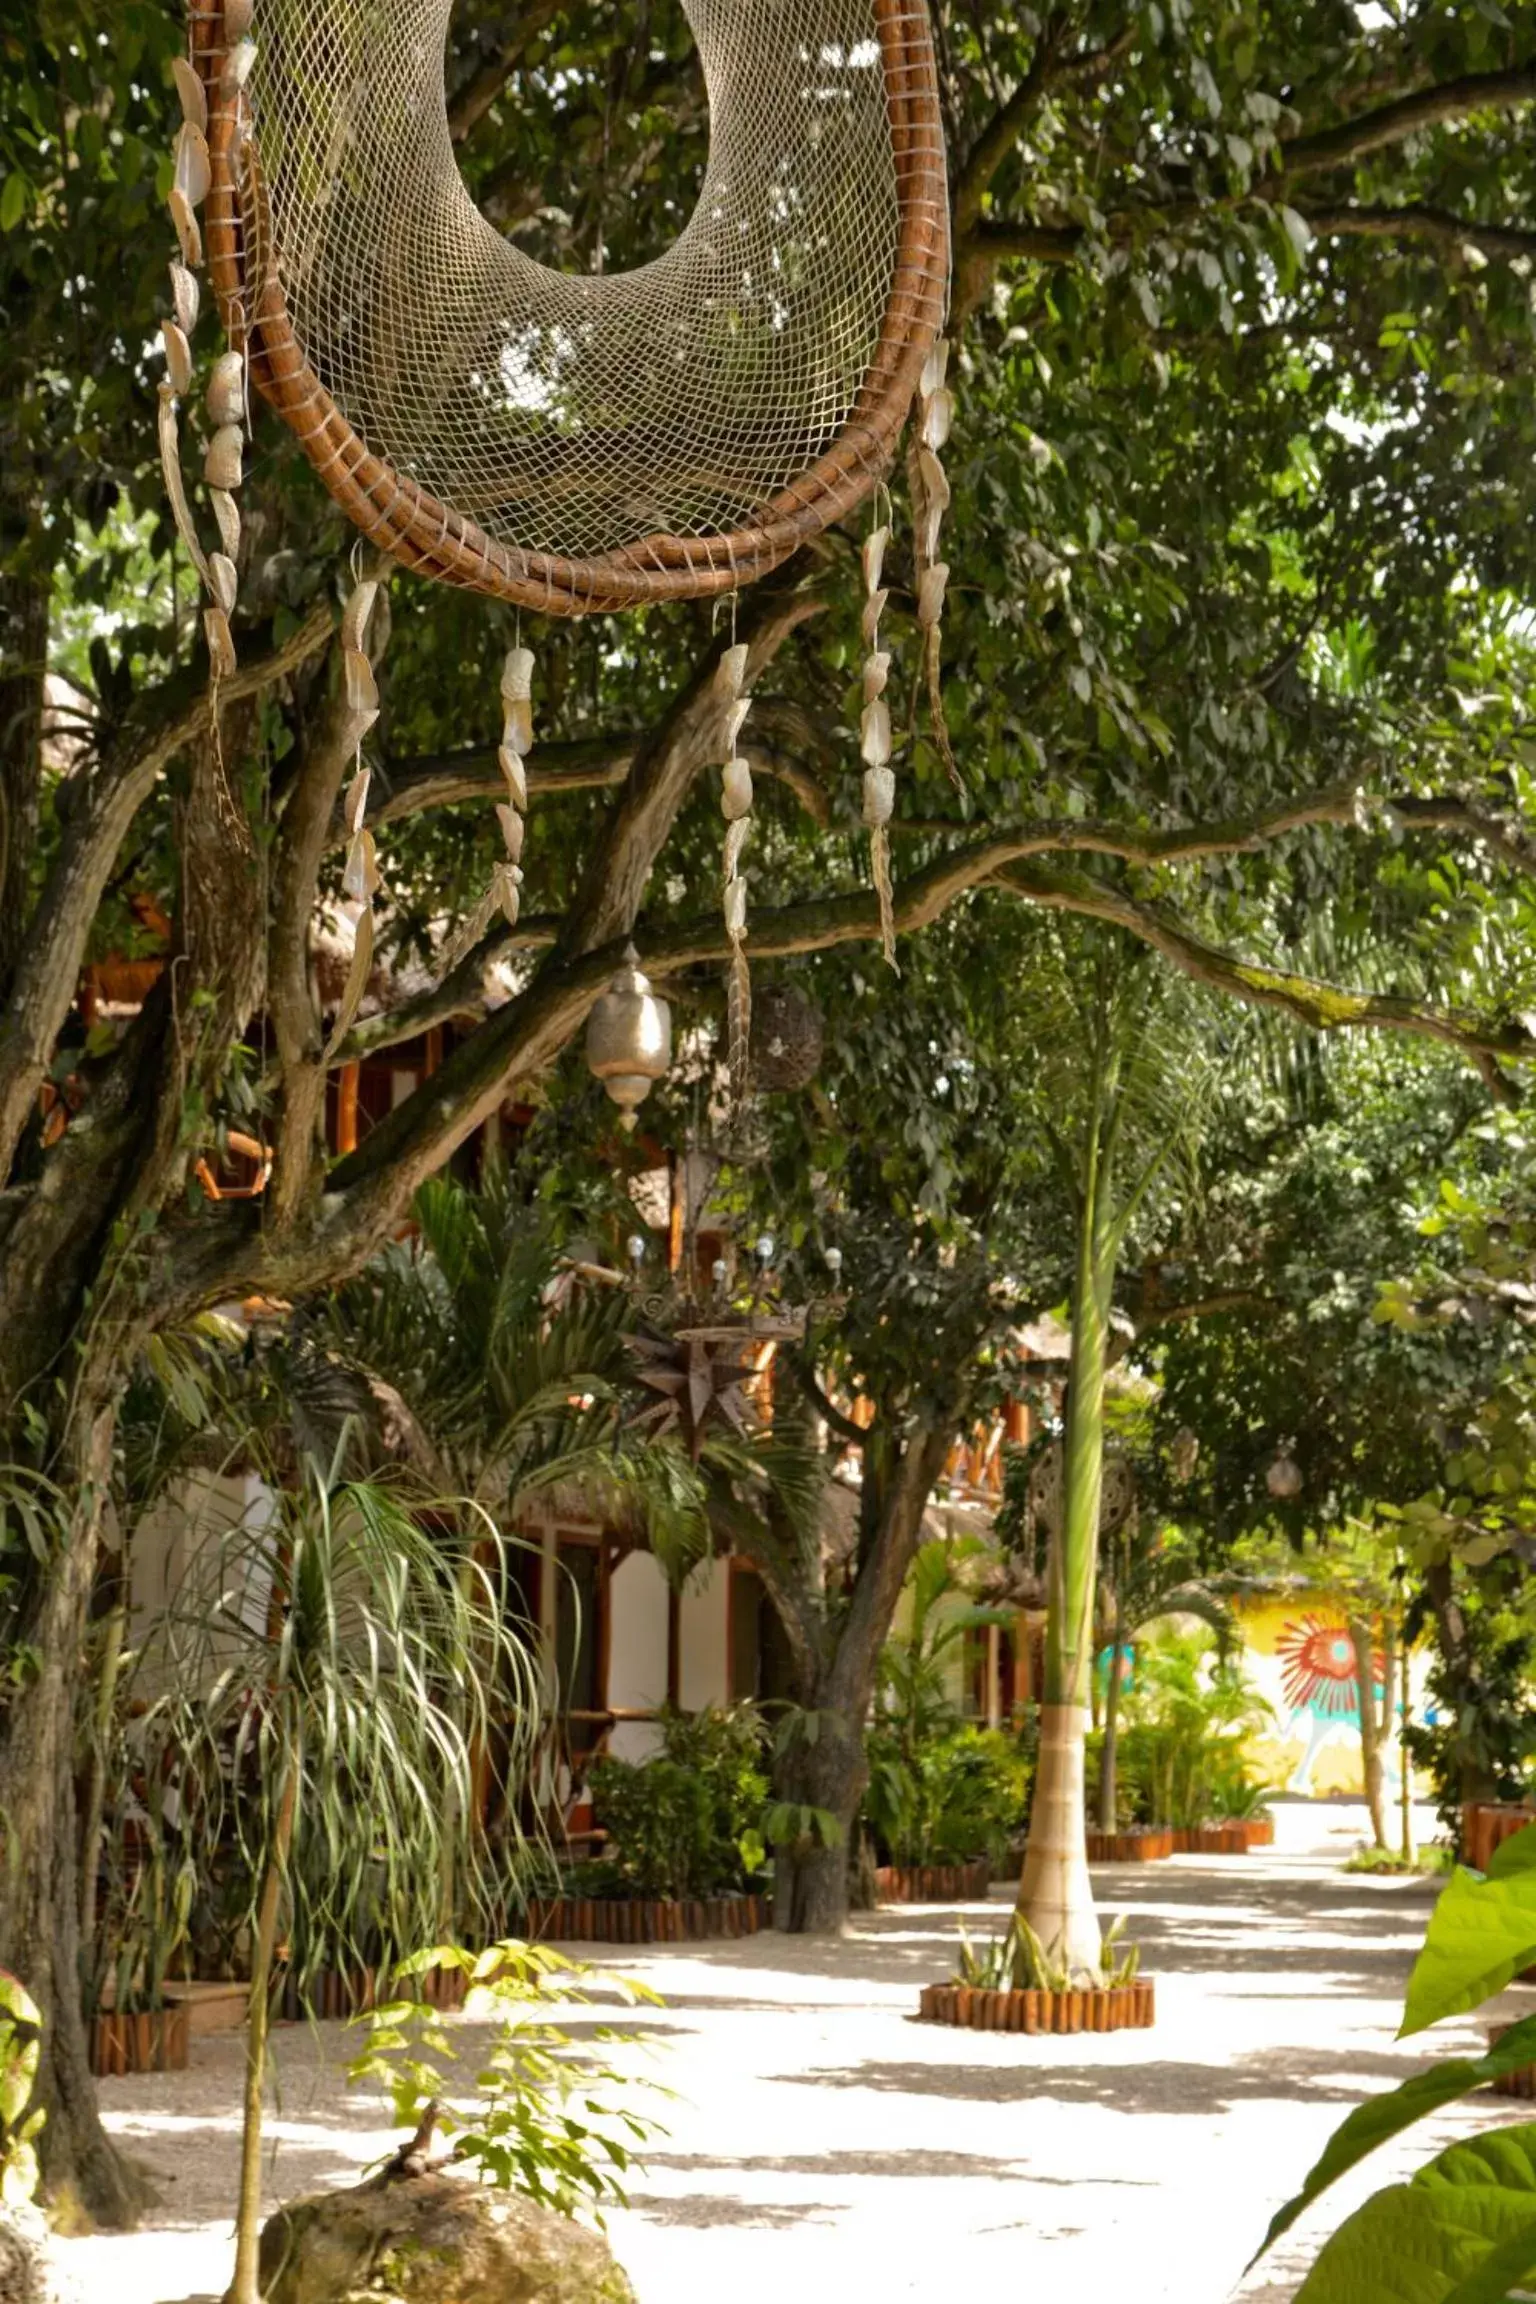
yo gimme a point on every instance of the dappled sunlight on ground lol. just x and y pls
(821, 2144)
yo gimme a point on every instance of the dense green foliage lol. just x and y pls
(689, 1821)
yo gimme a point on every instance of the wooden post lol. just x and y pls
(347, 1083)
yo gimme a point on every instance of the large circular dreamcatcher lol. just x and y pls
(572, 443)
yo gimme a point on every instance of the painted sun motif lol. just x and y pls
(1318, 1661)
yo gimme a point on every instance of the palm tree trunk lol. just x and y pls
(1056, 1893)
(1109, 1789)
(244, 2288)
(1362, 1635)
(1405, 1760)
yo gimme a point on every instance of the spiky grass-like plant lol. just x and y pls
(337, 1661)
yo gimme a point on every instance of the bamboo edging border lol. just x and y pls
(645, 1920)
(933, 1883)
(154, 2041)
(1095, 2008)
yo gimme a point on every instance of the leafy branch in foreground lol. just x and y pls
(544, 2119)
(1463, 2231)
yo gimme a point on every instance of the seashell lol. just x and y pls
(194, 170)
(875, 733)
(935, 369)
(222, 660)
(356, 615)
(879, 797)
(224, 464)
(874, 558)
(238, 66)
(194, 97)
(874, 609)
(362, 690)
(930, 594)
(517, 676)
(514, 830)
(187, 231)
(355, 879)
(877, 672)
(357, 800)
(226, 390)
(736, 790)
(735, 721)
(515, 776)
(223, 580)
(938, 420)
(731, 675)
(509, 892)
(227, 513)
(186, 298)
(736, 839)
(175, 484)
(517, 725)
(935, 479)
(735, 909)
(178, 357)
(237, 18)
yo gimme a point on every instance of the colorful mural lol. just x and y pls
(1301, 1661)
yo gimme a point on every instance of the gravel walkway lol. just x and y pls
(822, 2145)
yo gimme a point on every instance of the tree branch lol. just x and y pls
(1417, 222)
(1433, 107)
(174, 716)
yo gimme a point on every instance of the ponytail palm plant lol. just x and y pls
(341, 1656)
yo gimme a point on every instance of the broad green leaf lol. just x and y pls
(1386, 2116)
(1481, 1934)
(1434, 2241)
(1516, 1854)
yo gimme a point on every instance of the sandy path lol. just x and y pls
(822, 2145)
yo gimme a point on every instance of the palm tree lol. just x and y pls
(1122, 1091)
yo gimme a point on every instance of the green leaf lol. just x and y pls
(1516, 1854)
(15, 196)
(1383, 2117)
(1481, 1934)
(1462, 2224)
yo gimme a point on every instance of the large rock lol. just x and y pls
(433, 2239)
(26, 2262)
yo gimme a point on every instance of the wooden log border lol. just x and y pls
(1104, 2008)
(933, 1883)
(641, 1920)
(156, 2041)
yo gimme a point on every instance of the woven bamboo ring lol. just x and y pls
(404, 519)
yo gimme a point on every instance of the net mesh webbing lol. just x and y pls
(572, 414)
(580, 422)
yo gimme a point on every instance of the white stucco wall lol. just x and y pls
(704, 1635)
(637, 1656)
(167, 1542)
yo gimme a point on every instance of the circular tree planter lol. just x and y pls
(1258, 1831)
(933, 1883)
(659, 1920)
(332, 1995)
(154, 2042)
(1145, 1844)
(1101, 2008)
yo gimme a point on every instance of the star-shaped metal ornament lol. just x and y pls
(700, 1374)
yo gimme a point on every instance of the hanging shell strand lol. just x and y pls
(364, 618)
(930, 502)
(224, 464)
(875, 737)
(736, 806)
(505, 893)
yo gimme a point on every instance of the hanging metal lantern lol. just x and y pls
(629, 1038)
(786, 1039)
(1283, 1479)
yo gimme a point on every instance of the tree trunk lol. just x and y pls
(1362, 1635)
(39, 1891)
(1405, 1667)
(810, 1896)
(1109, 1788)
(245, 2287)
(1055, 1892)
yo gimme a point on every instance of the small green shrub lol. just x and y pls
(547, 2121)
(1435, 1860)
(691, 1821)
(1017, 1961)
